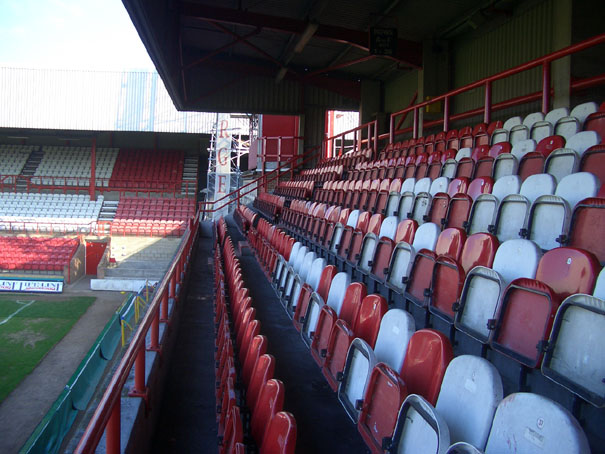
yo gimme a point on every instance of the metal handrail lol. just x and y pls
(107, 414)
(486, 82)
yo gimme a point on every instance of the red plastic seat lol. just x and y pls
(263, 370)
(269, 402)
(529, 306)
(234, 431)
(280, 437)
(385, 392)
(258, 347)
(428, 355)
(587, 226)
(449, 274)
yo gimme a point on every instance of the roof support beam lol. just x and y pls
(409, 52)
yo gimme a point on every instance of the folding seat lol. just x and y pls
(280, 436)
(263, 370)
(596, 121)
(281, 271)
(367, 189)
(406, 198)
(466, 165)
(366, 326)
(484, 165)
(305, 282)
(593, 160)
(582, 141)
(440, 141)
(419, 428)
(502, 134)
(450, 243)
(258, 347)
(353, 252)
(549, 215)
(392, 198)
(335, 228)
(452, 140)
(572, 124)
(403, 256)
(522, 131)
(360, 194)
(528, 306)
(321, 227)
(534, 422)
(352, 193)
(396, 329)
(469, 395)
(574, 355)
(385, 393)
(234, 431)
(449, 274)
(586, 227)
(270, 401)
(310, 302)
(513, 210)
(460, 204)
(371, 242)
(423, 200)
(345, 309)
(485, 206)
(483, 286)
(386, 188)
(348, 233)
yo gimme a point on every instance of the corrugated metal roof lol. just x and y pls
(84, 100)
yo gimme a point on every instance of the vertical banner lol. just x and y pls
(222, 155)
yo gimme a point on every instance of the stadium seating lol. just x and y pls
(144, 170)
(153, 216)
(39, 255)
(13, 158)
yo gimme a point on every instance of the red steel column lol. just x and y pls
(139, 374)
(164, 307)
(487, 113)
(446, 114)
(545, 87)
(154, 344)
(112, 431)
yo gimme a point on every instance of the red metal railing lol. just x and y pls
(107, 416)
(486, 83)
(371, 140)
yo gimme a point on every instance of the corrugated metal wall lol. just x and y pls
(527, 35)
(399, 92)
(84, 100)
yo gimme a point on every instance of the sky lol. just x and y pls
(70, 34)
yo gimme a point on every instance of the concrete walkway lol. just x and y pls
(24, 408)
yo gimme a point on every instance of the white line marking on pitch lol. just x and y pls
(26, 305)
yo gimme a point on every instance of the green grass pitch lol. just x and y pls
(29, 327)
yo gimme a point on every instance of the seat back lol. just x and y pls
(372, 308)
(562, 162)
(533, 420)
(354, 295)
(419, 428)
(396, 328)
(338, 291)
(575, 358)
(587, 225)
(483, 287)
(582, 141)
(280, 436)
(428, 355)
(382, 400)
(258, 347)
(263, 370)
(356, 373)
(269, 402)
(470, 392)
(568, 271)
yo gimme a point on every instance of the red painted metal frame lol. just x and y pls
(107, 416)
(544, 95)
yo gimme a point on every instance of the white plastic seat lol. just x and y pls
(370, 242)
(513, 210)
(359, 364)
(287, 278)
(483, 287)
(422, 185)
(485, 206)
(562, 162)
(582, 141)
(422, 201)
(537, 424)
(403, 255)
(396, 329)
(470, 392)
(521, 148)
(550, 215)
(582, 111)
(448, 169)
(463, 153)
(338, 288)
(419, 428)
(463, 448)
(575, 358)
(310, 274)
(504, 164)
